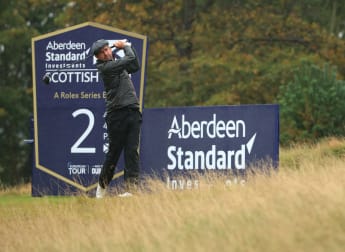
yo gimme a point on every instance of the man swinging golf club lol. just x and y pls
(123, 116)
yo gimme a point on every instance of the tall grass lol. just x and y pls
(300, 208)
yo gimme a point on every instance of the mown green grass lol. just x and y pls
(300, 208)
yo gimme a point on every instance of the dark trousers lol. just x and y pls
(123, 126)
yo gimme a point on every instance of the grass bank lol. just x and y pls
(300, 208)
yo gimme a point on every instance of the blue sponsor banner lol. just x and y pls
(228, 139)
(70, 134)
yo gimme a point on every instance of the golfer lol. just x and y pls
(123, 116)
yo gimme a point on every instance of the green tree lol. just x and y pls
(312, 105)
(245, 40)
(15, 95)
(20, 21)
(15, 163)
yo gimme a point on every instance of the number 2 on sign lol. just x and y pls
(75, 147)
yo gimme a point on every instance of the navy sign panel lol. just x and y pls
(70, 134)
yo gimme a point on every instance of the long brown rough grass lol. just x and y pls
(300, 208)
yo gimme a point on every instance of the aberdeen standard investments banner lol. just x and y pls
(230, 139)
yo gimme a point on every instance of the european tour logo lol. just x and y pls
(213, 158)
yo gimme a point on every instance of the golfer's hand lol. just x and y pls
(120, 43)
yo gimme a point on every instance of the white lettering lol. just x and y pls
(53, 45)
(182, 184)
(185, 128)
(240, 159)
(76, 170)
(96, 170)
(171, 157)
(211, 129)
(195, 129)
(75, 77)
(212, 125)
(105, 136)
(51, 56)
(210, 160)
(174, 129)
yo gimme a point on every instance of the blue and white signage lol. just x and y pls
(70, 135)
(69, 128)
(220, 138)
